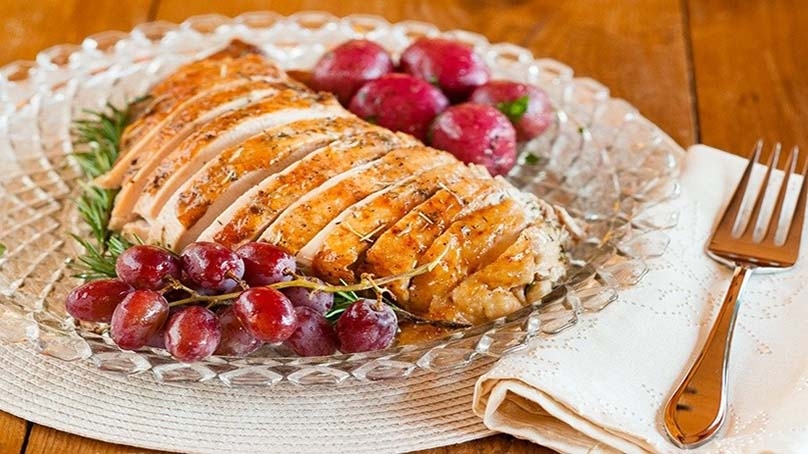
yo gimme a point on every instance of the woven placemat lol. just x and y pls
(423, 411)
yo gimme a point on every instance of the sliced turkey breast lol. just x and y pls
(468, 243)
(399, 248)
(249, 215)
(226, 177)
(332, 253)
(290, 106)
(535, 260)
(183, 120)
(306, 217)
(189, 80)
(145, 193)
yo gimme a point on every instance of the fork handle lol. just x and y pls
(696, 410)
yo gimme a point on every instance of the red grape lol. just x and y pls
(527, 106)
(139, 316)
(366, 325)
(399, 102)
(266, 313)
(236, 340)
(476, 133)
(193, 286)
(212, 266)
(318, 301)
(265, 264)
(348, 66)
(95, 301)
(192, 334)
(158, 339)
(451, 65)
(147, 267)
(314, 336)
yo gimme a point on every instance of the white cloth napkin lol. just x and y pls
(600, 387)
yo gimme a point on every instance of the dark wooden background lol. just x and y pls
(719, 72)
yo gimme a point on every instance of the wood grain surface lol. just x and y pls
(751, 62)
(12, 433)
(27, 27)
(722, 72)
(44, 440)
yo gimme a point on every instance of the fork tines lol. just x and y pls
(731, 217)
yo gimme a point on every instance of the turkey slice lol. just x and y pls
(188, 81)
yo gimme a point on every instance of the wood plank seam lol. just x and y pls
(691, 71)
(28, 427)
(152, 12)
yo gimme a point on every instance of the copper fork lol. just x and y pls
(697, 409)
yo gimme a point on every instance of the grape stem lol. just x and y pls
(240, 281)
(174, 284)
(212, 300)
(366, 282)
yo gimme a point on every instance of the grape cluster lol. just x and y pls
(442, 95)
(211, 300)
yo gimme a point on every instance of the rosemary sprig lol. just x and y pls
(97, 143)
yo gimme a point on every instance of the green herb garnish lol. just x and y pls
(341, 302)
(515, 109)
(98, 138)
(531, 159)
(97, 143)
(2, 249)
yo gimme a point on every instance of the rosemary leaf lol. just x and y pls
(531, 159)
(95, 263)
(341, 302)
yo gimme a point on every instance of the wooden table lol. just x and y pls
(720, 72)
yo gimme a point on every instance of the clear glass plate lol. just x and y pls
(603, 161)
